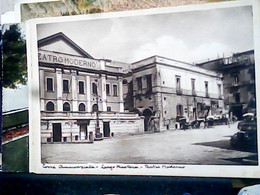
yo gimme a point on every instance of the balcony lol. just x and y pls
(87, 115)
(67, 114)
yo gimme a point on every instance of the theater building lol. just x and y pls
(79, 93)
(164, 89)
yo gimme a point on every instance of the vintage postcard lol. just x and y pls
(169, 91)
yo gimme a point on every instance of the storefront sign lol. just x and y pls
(51, 57)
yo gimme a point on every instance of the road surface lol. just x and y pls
(196, 146)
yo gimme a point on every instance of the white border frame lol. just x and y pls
(137, 169)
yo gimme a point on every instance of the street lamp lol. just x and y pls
(98, 135)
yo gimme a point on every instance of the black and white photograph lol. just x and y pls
(160, 88)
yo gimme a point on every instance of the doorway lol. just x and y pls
(83, 132)
(147, 113)
(56, 131)
(106, 129)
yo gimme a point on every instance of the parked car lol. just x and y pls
(244, 139)
(221, 120)
(184, 124)
(247, 135)
(248, 123)
(210, 121)
(198, 123)
(195, 124)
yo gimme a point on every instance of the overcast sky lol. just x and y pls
(187, 36)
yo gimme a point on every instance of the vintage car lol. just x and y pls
(248, 123)
(195, 124)
(221, 119)
(244, 139)
(210, 121)
(247, 135)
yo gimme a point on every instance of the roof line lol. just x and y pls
(154, 56)
(46, 40)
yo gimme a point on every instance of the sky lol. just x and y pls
(186, 36)
(10, 100)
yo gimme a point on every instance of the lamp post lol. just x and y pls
(98, 135)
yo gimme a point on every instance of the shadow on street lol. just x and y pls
(225, 144)
(249, 160)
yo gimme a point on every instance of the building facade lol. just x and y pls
(238, 81)
(164, 90)
(80, 96)
(83, 98)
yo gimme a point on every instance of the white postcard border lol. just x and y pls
(35, 164)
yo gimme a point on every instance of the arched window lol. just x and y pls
(95, 108)
(82, 107)
(66, 106)
(50, 106)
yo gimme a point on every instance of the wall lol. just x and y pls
(70, 129)
(168, 82)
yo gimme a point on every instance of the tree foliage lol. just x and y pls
(14, 58)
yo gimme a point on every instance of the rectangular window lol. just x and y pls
(178, 82)
(219, 90)
(237, 97)
(65, 86)
(149, 83)
(108, 89)
(193, 84)
(179, 109)
(49, 84)
(139, 83)
(236, 80)
(178, 85)
(207, 88)
(94, 88)
(81, 87)
(109, 108)
(114, 90)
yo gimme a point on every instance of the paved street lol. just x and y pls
(196, 146)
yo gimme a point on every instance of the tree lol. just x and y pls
(14, 58)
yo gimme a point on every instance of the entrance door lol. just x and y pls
(56, 131)
(83, 131)
(106, 129)
(147, 113)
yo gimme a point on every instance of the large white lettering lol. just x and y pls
(64, 59)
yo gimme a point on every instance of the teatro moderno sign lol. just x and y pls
(56, 58)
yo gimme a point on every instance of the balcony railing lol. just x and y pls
(87, 114)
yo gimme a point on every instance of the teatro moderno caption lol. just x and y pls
(84, 99)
